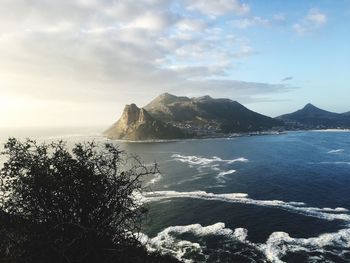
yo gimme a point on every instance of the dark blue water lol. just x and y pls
(308, 167)
(278, 198)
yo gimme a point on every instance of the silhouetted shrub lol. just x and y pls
(58, 205)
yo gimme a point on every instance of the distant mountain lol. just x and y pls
(312, 117)
(137, 124)
(205, 115)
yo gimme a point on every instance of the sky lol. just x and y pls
(78, 62)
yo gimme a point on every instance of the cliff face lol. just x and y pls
(137, 124)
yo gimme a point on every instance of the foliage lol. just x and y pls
(58, 205)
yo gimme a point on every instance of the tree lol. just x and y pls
(81, 205)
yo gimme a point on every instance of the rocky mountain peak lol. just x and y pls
(130, 114)
(310, 107)
(137, 124)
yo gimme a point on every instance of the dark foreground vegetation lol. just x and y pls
(62, 206)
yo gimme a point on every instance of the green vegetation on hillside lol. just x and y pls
(222, 115)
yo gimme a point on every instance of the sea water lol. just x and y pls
(273, 198)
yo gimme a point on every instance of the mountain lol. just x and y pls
(206, 115)
(313, 117)
(138, 124)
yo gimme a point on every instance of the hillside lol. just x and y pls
(203, 114)
(313, 117)
(137, 124)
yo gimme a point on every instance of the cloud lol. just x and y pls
(101, 54)
(237, 90)
(316, 17)
(314, 20)
(153, 21)
(190, 24)
(218, 7)
(286, 79)
(280, 17)
(250, 22)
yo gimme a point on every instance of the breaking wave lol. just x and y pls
(221, 177)
(227, 172)
(336, 151)
(192, 243)
(157, 177)
(279, 246)
(326, 213)
(213, 163)
(198, 160)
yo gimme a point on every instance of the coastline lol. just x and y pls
(228, 136)
(219, 136)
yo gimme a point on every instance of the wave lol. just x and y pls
(226, 172)
(213, 163)
(169, 242)
(276, 249)
(326, 213)
(221, 177)
(336, 151)
(199, 160)
(157, 177)
(278, 245)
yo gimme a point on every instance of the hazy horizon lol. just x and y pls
(77, 63)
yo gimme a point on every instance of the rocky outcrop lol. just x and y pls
(138, 124)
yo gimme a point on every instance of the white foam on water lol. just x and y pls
(241, 159)
(167, 242)
(214, 163)
(330, 214)
(280, 243)
(336, 151)
(157, 177)
(221, 177)
(241, 234)
(226, 172)
(199, 160)
(277, 245)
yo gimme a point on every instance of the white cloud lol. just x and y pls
(280, 17)
(108, 53)
(249, 22)
(153, 21)
(316, 17)
(314, 20)
(218, 7)
(188, 24)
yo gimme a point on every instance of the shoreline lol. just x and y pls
(222, 136)
(227, 136)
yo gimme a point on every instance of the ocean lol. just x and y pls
(273, 198)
